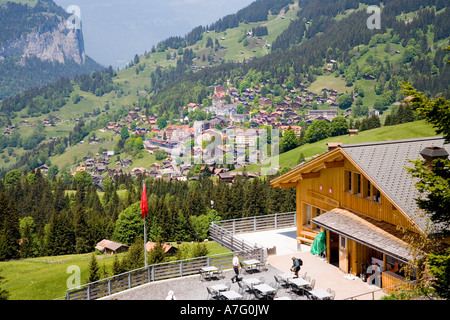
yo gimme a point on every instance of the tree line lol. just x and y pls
(43, 217)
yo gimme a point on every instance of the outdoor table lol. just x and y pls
(219, 287)
(264, 288)
(230, 295)
(252, 263)
(208, 271)
(251, 281)
(298, 283)
(320, 294)
(286, 276)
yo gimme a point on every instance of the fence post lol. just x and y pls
(109, 286)
(276, 218)
(254, 224)
(234, 226)
(149, 274)
(89, 292)
(181, 268)
(129, 280)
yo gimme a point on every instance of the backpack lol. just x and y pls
(300, 262)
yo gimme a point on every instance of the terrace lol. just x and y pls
(281, 244)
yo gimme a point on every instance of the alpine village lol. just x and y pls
(308, 140)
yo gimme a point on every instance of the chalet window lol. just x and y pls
(358, 184)
(308, 213)
(343, 242)
(376, 195)
(368, 188)
(348, 181)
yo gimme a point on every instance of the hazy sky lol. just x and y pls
(115, 30)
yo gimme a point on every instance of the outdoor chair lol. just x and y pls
(228, 285)
(219, 273)
(272, 295)
(244, 267)
(259, 295)
(311, 285)
(202, 275)
(243, 287)
(332, 292)
(261, 265)
(212, 294)
(280, 282)
(304, 275)
(246, 295)
(262, 279)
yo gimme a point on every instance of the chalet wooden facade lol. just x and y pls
(360, 194)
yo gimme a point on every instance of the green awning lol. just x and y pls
(319, 244)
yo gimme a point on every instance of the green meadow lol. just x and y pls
(45, 278)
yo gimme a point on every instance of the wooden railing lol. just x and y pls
(148, 274)
(223, 232)
(259, 223)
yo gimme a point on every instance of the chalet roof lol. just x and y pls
(373, 233)
(150, 245)
(385, 163)
(108, 244)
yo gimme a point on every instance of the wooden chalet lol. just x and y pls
(111, 247)
(360, 194)
(167, 248)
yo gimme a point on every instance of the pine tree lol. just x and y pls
(156, 254)
(61, 236)
(81, 230)
(134, 258)
(117, 267)
(94, 269)
(9, 228)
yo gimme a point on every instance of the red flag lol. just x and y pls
(144, 208)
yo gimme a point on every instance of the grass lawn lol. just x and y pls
(45, 278)
(331, 82)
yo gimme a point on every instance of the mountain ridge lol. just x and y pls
(41, 44)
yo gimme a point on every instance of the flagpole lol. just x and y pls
(145, 233)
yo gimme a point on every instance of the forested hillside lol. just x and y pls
(300, 53)
(53, 221)
(371, 63)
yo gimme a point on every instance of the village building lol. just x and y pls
(362, 196)
(111, 247)
(167, 248)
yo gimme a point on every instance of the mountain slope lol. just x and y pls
(37, 48)
(166, 80)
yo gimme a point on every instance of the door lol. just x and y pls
(343, 254)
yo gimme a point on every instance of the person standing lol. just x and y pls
(296, 263)
(236, 267)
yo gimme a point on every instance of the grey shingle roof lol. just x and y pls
(385, 163)
(379, 235)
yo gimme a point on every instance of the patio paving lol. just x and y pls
(326, 275)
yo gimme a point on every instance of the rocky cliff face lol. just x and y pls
(57, 45)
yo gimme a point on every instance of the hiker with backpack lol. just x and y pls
(296, 265)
